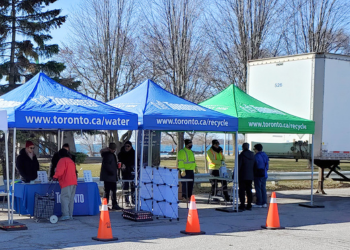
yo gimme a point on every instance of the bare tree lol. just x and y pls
(168, 140)
(88, 141)
(102, 50)
(174, 47)
(241, 30)
(319, 26)
(204, 139)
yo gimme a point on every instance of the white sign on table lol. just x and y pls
(42, 177)
(87, 176)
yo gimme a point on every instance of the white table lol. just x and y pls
(187, 181)
(216, 188)
(123, 191)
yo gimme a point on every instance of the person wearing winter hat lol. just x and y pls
(215, 157)
(27, 164)
(126, 157)
(109, 173)
(246, 165)
(187, 165)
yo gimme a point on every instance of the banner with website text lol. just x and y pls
(250, 125)
(191, 123)
(74, 121)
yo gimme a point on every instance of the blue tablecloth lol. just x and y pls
(87, 198)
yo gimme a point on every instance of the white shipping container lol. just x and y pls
(314, 86)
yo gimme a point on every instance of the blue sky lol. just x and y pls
(59, 35)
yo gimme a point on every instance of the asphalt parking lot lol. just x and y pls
(306, 228)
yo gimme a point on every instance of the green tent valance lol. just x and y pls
(255, 116)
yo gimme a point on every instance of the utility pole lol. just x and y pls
(228, 144)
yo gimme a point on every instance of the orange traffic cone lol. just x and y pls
(192, 226)
(273, 221)
(104, 229)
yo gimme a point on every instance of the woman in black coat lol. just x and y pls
(127, 158)
(109, 173)
(27, 164)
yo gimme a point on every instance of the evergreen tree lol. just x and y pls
(31, 21)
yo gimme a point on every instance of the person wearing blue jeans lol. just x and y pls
(260, 176)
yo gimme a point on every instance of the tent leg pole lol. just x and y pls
(236, 170)
(235, 185)
(141, 165)
(13, 173)
(136, 169)
(11, 225)
(58, 140)
(312, 173)
(312, 205)
(7, 176)
(225, 143)
(149, 148)
(62, 134)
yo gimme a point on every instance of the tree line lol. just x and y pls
(193, 48)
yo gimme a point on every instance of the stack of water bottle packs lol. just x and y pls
(159, 192)
(146, 189)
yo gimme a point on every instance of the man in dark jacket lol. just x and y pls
(109, 173)
(127, 158)
(27, 163)
(246, 163)
(56, 157)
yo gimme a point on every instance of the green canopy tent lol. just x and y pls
(255, 116)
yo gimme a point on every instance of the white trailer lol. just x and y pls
(314, 86)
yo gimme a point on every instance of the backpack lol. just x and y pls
(259, 169)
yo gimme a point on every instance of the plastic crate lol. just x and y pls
(130, 214)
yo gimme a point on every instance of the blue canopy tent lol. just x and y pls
(157, 109)
(42, 103)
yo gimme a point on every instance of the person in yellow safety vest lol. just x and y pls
(215, 158)
(187, 165)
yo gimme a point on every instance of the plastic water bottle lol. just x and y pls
(223, 169)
